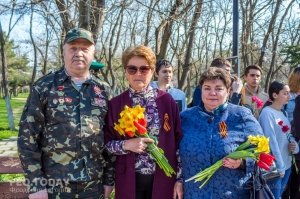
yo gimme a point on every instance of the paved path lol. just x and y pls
(8, 147)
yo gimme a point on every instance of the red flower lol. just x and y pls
(259, 104)
(285, 128)
(263, 165)
(265, 161)
(254, 99)
(142, 122)
(266, 158)
(130, 133)
(140, 128)
(280, 122)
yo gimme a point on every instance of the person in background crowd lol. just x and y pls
(137, 175)
(61, 142)
(292, 190)
(277, 127)
(294, 84)
(252, 76)
(164, 74)
(235, 88)
(203, 143)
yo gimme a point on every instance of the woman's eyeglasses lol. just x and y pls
(132, 70)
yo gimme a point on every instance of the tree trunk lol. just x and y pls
(97, 17)
(167, 27)
(189, 50)
(270, 29)
(34, 50)
(149, 18)
(272, 71)
(4, 81)
(84, 14)
(115, 35)
(64, 13)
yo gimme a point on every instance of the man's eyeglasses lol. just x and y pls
(132, 70)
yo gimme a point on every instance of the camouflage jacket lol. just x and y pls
(61, 135)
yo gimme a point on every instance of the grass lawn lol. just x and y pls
(17, 104)
(11, 177)
(4, 134)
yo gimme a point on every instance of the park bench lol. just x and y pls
(12, 190)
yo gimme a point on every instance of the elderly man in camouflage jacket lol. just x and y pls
(61, 139)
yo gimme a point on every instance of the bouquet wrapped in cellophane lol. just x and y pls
(256, 147)
(132, 123)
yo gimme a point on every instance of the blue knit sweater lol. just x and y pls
(202, 146)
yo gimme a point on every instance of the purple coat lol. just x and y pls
(168, 140)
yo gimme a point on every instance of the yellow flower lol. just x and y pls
(254, 139)
(130, 127)
(138, 111)
(126, 127)
(263, 145)
(119, 129)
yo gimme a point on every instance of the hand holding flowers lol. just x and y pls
(256, 147)
(132, 123)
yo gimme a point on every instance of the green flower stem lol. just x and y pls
(207, 173)
(160, 159)
(210, 170)
(243, 146)
(241, 154)
(245, 150)
(294, 163)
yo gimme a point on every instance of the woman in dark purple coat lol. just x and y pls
(137, 175)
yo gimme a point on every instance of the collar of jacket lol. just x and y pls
(217, 111)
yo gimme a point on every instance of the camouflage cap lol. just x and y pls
(77, 33)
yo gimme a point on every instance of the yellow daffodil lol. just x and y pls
(132, 123)
(130, 127)
(139, 111)
(263, 146)
(254, 139)
(119, 129)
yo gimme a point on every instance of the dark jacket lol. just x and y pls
(168, 141)
(60, 136)
(296, 119)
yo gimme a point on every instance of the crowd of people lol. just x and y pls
(69, 145)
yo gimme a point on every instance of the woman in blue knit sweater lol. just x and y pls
(277, 127)
(204, 142)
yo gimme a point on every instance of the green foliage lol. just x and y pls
(19, 73)
(11, 177)
(17, 105)
(5, 134)
(293, 54)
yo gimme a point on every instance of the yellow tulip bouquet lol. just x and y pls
(256, 147)
(132, 123)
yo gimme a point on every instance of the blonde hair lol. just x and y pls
(294, 80)
(139, 51)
